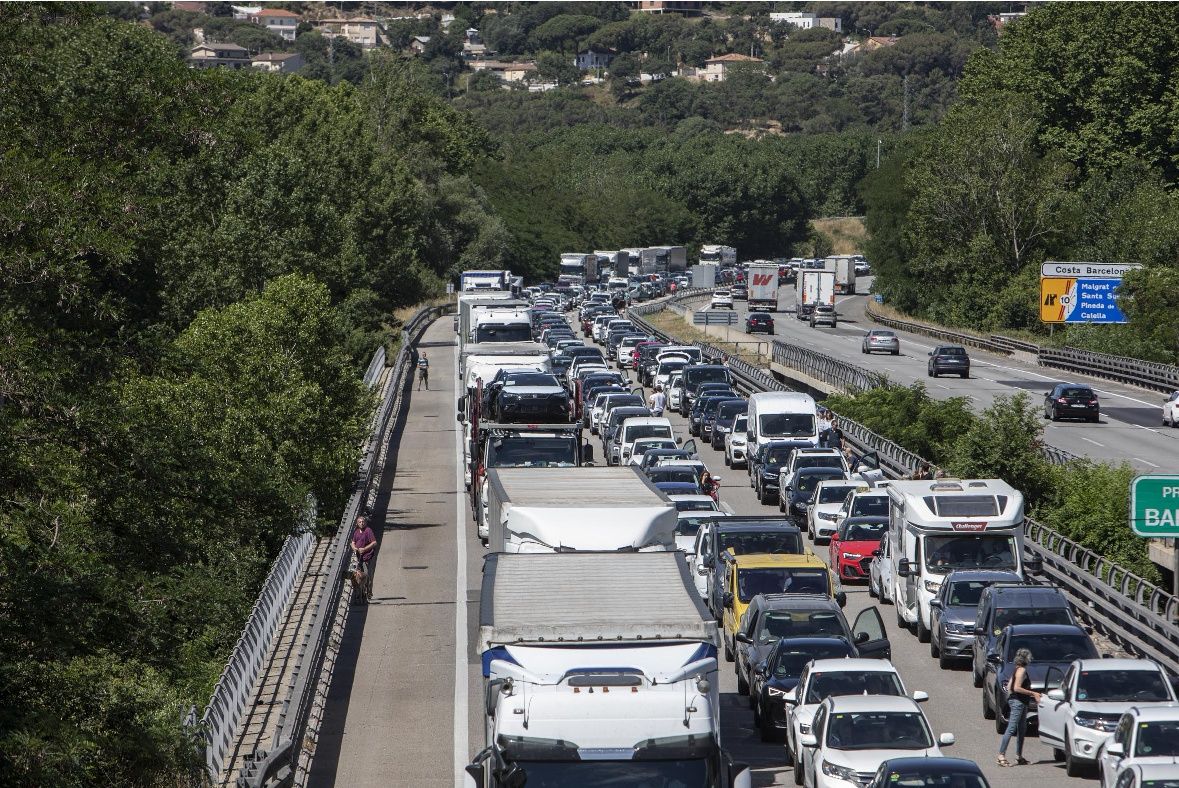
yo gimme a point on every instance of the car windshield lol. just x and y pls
(776, 542)
(741, 423)
(523, 452)
(862, 532)
(869, 506)
(667, 367)
(778, 580)
(1031, 615)
(803, 624)
(534, 379)
(820, 461)
(934, 780)
(697, 375)
(622, 401)
(834, 493)
(728, 410)
(786, 425)
(777, 455)
(806, 482)
(883, 334)
(878, 730)
(967, 592)
(690, 526)
(946, 553)
(672, 475)
(823, 685)
(1157, 738)
(791, 661)
(645, 445)
(647, 431)
(1053, 648)
(1139, 686)
(696, 506)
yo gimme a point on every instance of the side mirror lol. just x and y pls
(936, 604)
(727, 599)
(791, 697)
(1055, 694)
(808, 740)
(877, 553)
(920, 697)
(930, 353)
(903, 568)
(741, 637)
(1115, 749)
(749, 436)
(841, 598)
(717, 479)
(474, 777)
(861, 637)
(994, 659)
(980, 631)
(945, 739)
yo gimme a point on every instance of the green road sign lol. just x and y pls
(1154, 505)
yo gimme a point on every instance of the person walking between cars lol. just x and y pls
(709, 486)
(423, 372)
(658, 401)
(1019, 695)
(364, 543)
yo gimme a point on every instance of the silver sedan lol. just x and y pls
(881, 340)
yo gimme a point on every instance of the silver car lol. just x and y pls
(879, 339)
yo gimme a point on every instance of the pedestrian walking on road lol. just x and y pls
(364, 544)
(423, 372)
(658, 401)
(1019, 696)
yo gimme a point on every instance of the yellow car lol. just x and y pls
(763, 573)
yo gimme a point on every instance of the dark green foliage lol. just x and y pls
(909, 416)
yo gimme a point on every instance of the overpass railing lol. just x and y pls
(1136, 614)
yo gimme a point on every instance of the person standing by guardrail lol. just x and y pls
(423, 372)
(364, 545)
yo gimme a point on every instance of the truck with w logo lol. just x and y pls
(763, 287)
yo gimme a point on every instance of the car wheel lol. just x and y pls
(975, 677)
(798, 771)
(1057, 754)
(901, 622)
(1053, 415)
(1094, 419)
(943, 661)
(896, 352)
(965, 375)
(728, 651)
(1000, 723)
(728, 463)
(1072, 766)
(923, 633)
(872, 588)
(988, 712)
(934, 651)
(766, 728)
(929, 372)
(863, 350)
(743, 687)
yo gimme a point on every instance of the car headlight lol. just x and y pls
(799, 506)
(933, 585)
(774, 692)
(1093, 723)
(955, 628)
(852, 556)
(839, 772)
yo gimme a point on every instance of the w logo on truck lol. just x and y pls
(761, 280)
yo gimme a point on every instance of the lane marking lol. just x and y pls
(1090, 440)
(1144, 462)
(1148, 429)
(461, 713)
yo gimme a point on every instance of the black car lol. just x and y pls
(948, 360)
(1052, 646)
(1004, 604)
(710, 411)
(779, 673)
(766, 465)
(759, 322)
(801, 492)
(1071, 401)
(696, 413)
(929, 773)
(722, 423)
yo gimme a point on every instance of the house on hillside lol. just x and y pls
(807, 21)
(1001, 20)
(417, 44)
(219, 56)
(243, 12)
(278, 21)
(669, 7)
(362, 31)
(279, 62)
(595, 57)
(519, 72)
(716, 69)
(872, 43)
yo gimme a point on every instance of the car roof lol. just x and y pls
(1156, 771)
(1118, 664)
(753, 528)
(1027, 596)
(832, 472)
(942, 765)
(691, 497)
(775, 560)
(853, 665)
(1156, 711)
(854, 703)
(1045, 629)
(982, 574)
(772, 602)
(816, 451)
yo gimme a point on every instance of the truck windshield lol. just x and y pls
(944, 554)
(778, 580)
(786, 425)
(521, 452)
(518, 332)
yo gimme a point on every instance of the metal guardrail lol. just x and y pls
(231, 695)
(278, 766)
(828, 369)
(1147, 374)
(375, 367)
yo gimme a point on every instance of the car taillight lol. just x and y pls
(1062, 400)
(1092, 402)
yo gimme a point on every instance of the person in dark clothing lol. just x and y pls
(1020, 694)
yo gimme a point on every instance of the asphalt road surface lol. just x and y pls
(405, 702)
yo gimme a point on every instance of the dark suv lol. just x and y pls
(948, 359)
(1004, 604)
(759, 322)
(1071, 401)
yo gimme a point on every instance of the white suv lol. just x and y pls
(1171, 410)
(736, 443)
(721, 299)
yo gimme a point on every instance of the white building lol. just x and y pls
(717, 69)
(594, 57)
(278, 21)
(361, 30)
(807, 21)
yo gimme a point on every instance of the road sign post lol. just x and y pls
(1154, 512)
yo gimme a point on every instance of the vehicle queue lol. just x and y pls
(947, 554)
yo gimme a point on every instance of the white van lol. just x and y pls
(781, 415)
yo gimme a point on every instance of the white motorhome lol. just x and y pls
(596, 666)
(935, 527)
(545, 510)
(781, 415)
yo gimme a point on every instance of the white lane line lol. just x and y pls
(461, 745)
(1144, 462)
(1148, 429)
(1090, 440)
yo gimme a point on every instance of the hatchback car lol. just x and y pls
(824, 315)
(1071, 401)
(1171, 410)
(759, 323)
(721, 299)
(880, 340)
(948, 360)
(929, 773)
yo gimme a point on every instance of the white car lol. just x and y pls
(691, 509)
(821, 514)
(810, 458)
(1171, 410)
(635, 451)
(667, 367)
(601, 406)
(853, 734)
(871, 502)
(721, 299)
(1148, 775)
(1145, 737)
(826, 677)
(1078, 716)
(736, 443)
(880, 573)
(674, 393)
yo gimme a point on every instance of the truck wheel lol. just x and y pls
(923, 635)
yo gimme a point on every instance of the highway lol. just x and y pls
(405, 703)
(1131, 424)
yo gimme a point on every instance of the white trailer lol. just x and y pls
(482, 360)
(531, 510)
(715, 254)
(470, 281)
(815, 286)
(938, 526)
(763, 287)
(599, 668)
(470, 304)
(844, 266)
(704, 275)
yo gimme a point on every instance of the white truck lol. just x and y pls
(473, 306)
(763, 287)
(470, 281)
(704, 275)
(599, 669)
(544, 510)
(478, 362)
(844, 266)
(613, 263)
(715, 254)
(815, 286)
(578, 268)
(936, 527)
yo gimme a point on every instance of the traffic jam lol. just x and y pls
(621, 583)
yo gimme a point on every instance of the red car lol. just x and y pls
(851, 547)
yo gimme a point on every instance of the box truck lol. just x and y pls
(815, 286)
(577, 268)
(599, 669)
(473, 306)
(470, 281)
(844, 266)
(763, 287)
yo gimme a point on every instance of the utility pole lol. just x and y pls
(879, 142)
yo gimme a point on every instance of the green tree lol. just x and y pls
(1004, 443)
(553, 67)
(564, 33)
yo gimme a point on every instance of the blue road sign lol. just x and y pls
(1080, 300)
